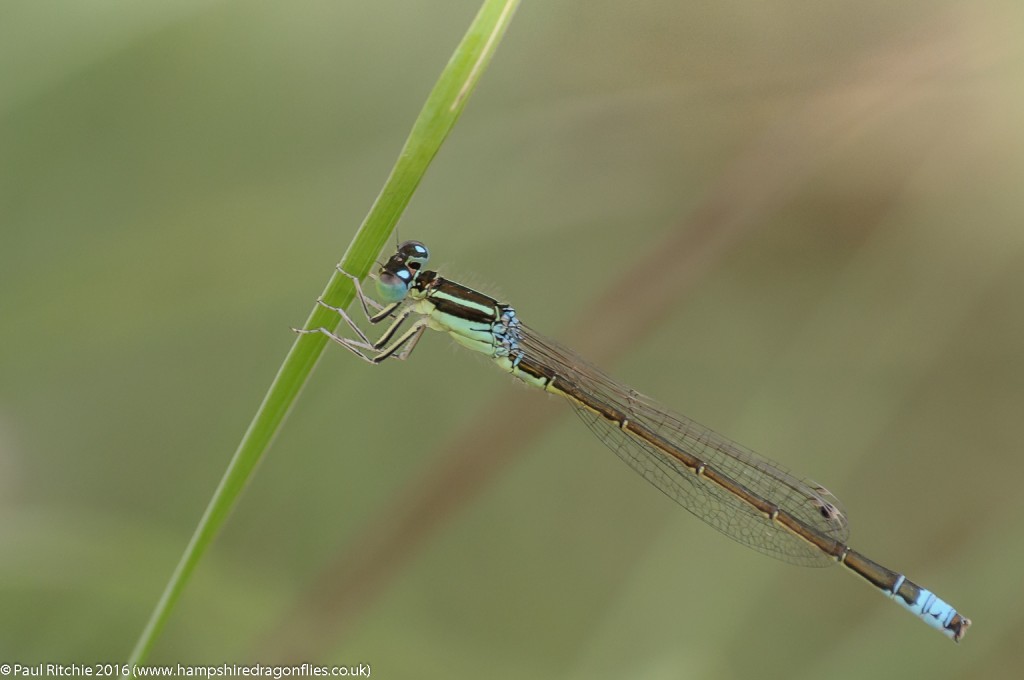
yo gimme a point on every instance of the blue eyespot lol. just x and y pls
(414, 254)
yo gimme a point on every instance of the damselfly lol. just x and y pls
(741, 494)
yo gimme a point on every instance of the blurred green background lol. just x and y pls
(799, 223)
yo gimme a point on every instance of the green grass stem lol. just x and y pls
(435, 121)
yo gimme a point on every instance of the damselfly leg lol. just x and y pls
(373, 352)
(747, 497)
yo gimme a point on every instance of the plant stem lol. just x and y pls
(435, 121)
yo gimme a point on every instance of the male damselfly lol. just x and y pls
(741, 494)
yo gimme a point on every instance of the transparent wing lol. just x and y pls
(805, 500)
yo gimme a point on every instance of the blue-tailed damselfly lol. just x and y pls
(741, 494)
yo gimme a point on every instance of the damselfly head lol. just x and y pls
(400, 271)
(394, 280)
(414, 254)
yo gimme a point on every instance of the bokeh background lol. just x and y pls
(799, 223)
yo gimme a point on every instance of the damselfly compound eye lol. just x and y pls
(414, 254)
(393, 282)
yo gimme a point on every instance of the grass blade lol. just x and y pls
(435, 121)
